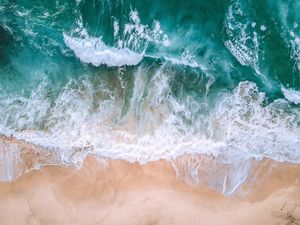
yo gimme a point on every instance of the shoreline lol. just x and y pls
(119, 192)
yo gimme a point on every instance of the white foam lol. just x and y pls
(176, 61)
(131, 40)
(244, 41)
(241, 43)
(291, 95)
(269, 131)
(263, 28)
(137, 36)
(186, 59)
(156, 125)
(93, 50)
(294, 43)
(289, 29)
(23, 113)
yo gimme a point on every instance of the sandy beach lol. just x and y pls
(118, 192)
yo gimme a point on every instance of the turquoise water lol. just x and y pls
(146, 80)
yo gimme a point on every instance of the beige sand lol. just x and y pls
(116, 192)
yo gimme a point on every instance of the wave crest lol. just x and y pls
(95, 51)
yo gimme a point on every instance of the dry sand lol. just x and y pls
(117, 192)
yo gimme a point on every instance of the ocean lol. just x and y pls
(143, 81)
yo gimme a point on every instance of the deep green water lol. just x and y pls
(144, 80)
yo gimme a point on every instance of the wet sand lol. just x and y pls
(117, 192)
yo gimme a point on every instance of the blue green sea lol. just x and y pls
(147, 80)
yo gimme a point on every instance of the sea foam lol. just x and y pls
(95, 51)
(157, 125)
(291, 95)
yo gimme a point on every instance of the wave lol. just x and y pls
(94, 51)
(20, 157)
(291, 95)
(131, 43)
(156, 125)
